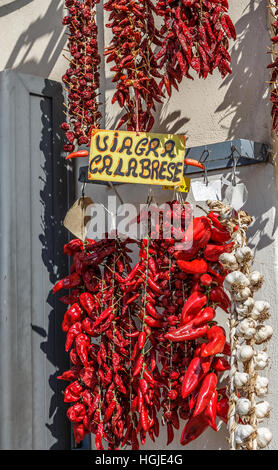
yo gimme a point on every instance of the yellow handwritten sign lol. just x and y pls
(183, 188)
(124, 156)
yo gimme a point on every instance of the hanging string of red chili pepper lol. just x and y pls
(159, 346)
(82, 77)
(206, 342)
(273, 9)
(196, 37)
(131, 50)
(98, 309)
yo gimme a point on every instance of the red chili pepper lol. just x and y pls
(212, 252)
(194, 427)
(135, 334)
(186, 254)
(144, 386)
(71, 374)
(217, 277)
(150, 321)
(222, 409)
(210, 411)
(73, 392)
(220, 298)
(206, 280)
(192, 306)
(138, 365)
(214, 217)
(68, 282)
(73, 331)
(192, 377)
(99, 436)
(144, 418)
(154, 287)
(73, 246)
(72, 298)
(102, 317)
(87, 302)
(76, 413)
(220, 235)
(170, 433)
(72, 315)
(82, 342)
(79, 432)
(142, 339)
(152, 265)
(217, 337)
(152, 311)
(204, 316)
(197, 266)
(187, 333)
(133, 298)
(109, 410)
(206, 390)
(227, 349)
(220, 364)
(148, 376)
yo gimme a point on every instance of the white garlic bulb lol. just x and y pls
(261, 360)
(243, 432)
(255, 314)
(244, 353)
(261, 386)
(244, 308)
(256, 280)
(262, 409)
(260, 310)
(236, 281)
(244, 255)
(263, 438)
(228, 261)
(243, 406)
(263, 333)
(246, 328)
(237, 238)
(241, 379)
(242, 294)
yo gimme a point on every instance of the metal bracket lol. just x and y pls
(221, 154)
(215, 156)
(83, 178)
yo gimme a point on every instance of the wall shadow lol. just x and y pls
(247, 92)
(247, 86)
(55, 199)
(13, 6)
(49, 24)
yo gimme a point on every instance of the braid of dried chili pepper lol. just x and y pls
(82, 77)
(100, 374)
(195, 36)
(200, 367)
(173, 356)
(131, 50)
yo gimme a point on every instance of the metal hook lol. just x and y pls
(116, 192)
(150, 196)
(235, 160)
(235, 149)
(206, 181)
(207, 152)
(203, 160)
(83, 190)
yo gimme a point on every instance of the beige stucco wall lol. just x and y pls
(207, 111)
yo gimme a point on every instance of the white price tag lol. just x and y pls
(202, 191)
